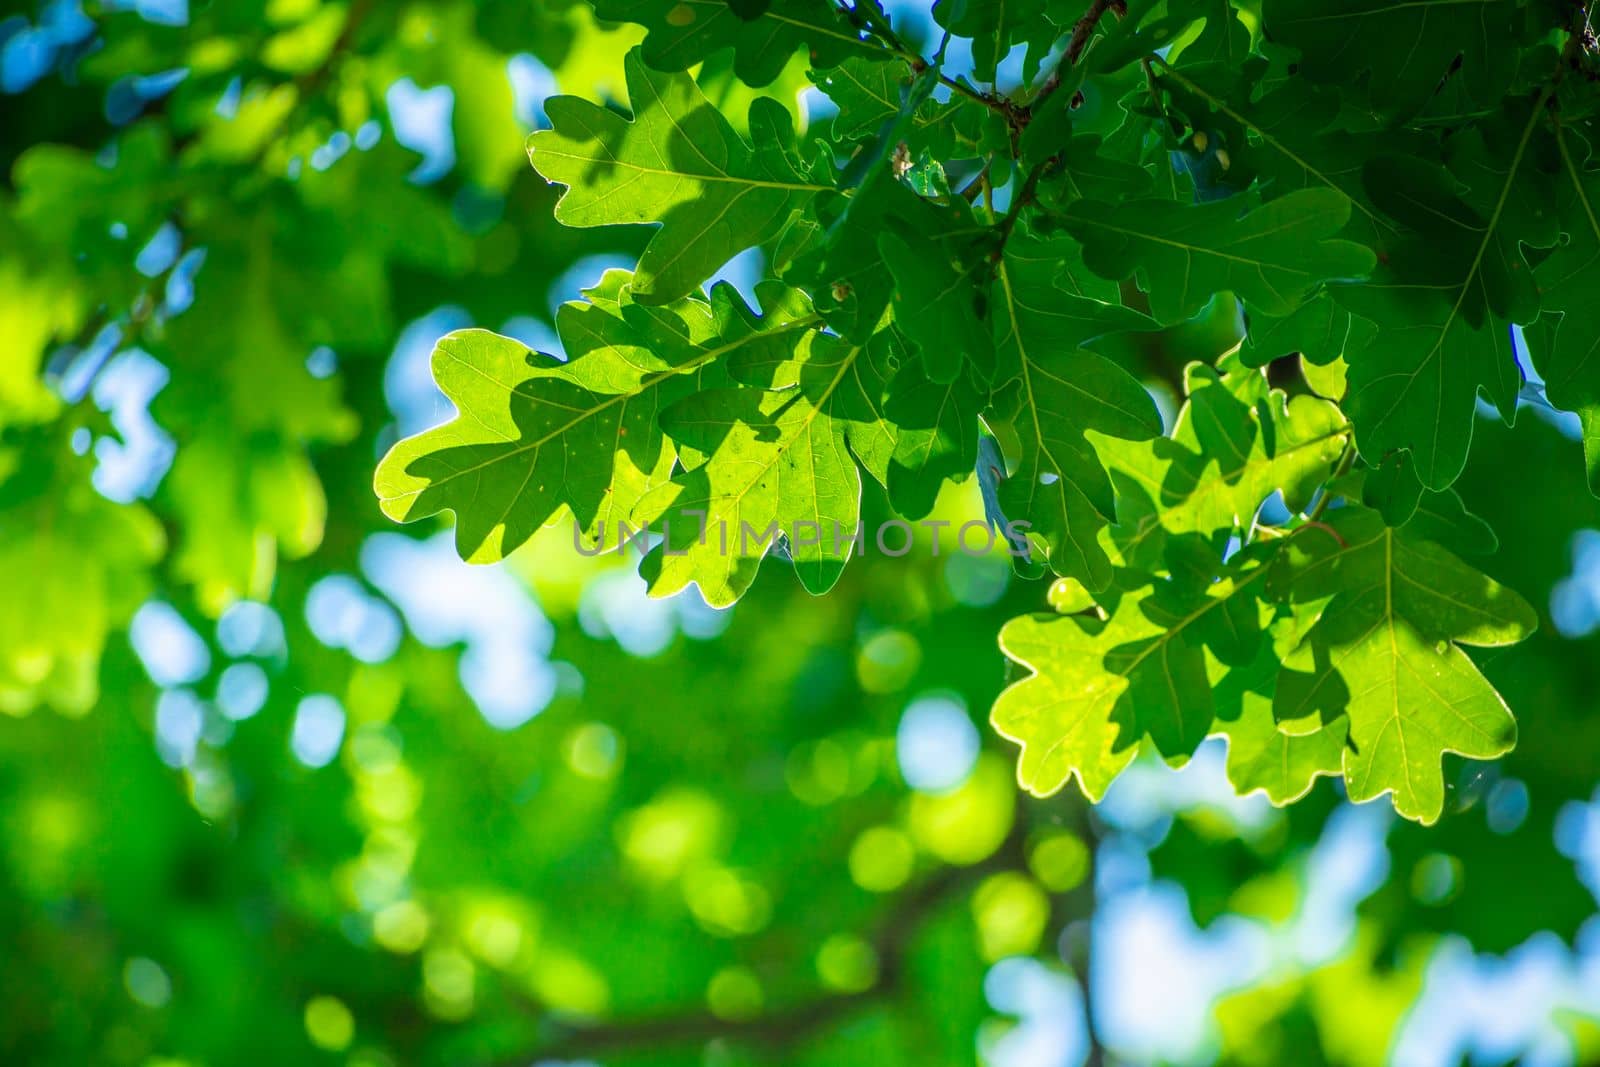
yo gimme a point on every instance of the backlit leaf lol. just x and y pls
(678, 163)
(1386, 654)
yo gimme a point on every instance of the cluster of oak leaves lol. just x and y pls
(1385, 190)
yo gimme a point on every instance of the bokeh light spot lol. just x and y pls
(847, 963)
(318, 730)
(147, 983)
(734, 993)
(1060, 861)
(1011, 912)
(888, 661)
(936, 744)
(881, 859)
(329, 1023)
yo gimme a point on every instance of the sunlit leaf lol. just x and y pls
(1386, 654)
(678, 163)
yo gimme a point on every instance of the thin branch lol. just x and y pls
(305, 84)
(867, 19)
(668, 1031)
(1026, 194)
(1072, 914)
(1082, 30)
(1084, 27)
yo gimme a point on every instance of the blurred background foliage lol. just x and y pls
(282, 783)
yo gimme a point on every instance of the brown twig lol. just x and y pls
(1026, 194)
(1082, 30)
(1086, 26)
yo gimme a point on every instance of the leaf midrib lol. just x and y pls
(1206, 250)
(730, 504)
(1038, 429)
(1472, 272)
(1163, 641)
(1384, 9)
(724, 177)
(645, 385)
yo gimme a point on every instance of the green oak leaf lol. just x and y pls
(682, 33)
(1319, 331)
(937, 438)
(1272, 257)
(939, 304)
(1405, 48)
(839, 260)
(535, 434)
(858, 401)
(1479, 208)
(779, 459)
(1224, 41)
(1385, 654)
(1329, 380)
(678, 163)
(1235, 442)
(1144, 29)
(995, 27)
(1261, 756)
(1414, 382)
(1056, 391)
(886, 100)
(1099, 687)
(1392, 489)
(1285, 137)
(1422, 514)
(1442, 517)
(1061, 714)
(1086, 171)
(868, 95)
(1445, 303)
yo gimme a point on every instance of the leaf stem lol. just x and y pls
(866, 17)
(1155, 94)
(1346, 459)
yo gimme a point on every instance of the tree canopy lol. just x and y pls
(799, 532)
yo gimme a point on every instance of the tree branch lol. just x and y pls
(1082, 30)
(1085, 26)
(1027, 192)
